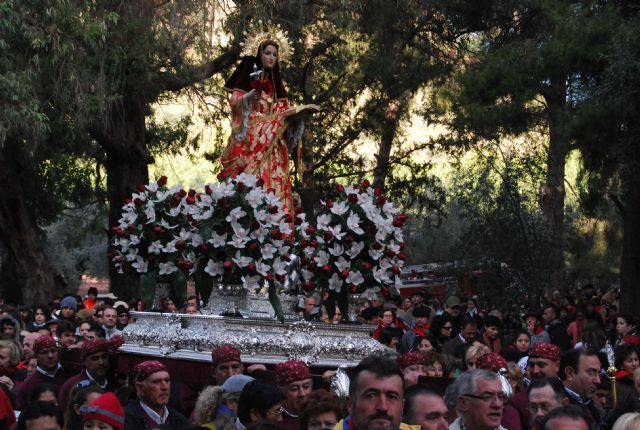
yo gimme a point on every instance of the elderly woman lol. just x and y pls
(321, 412)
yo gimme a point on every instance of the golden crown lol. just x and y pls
(261, 33)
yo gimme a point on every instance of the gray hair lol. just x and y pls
(467, 382)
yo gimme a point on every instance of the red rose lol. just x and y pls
(151, 258)
(118, 230)
(255, 225)
(132, 227)
(222, 202)
(251, 267)
(352, 198)
(202, 247)
(118, 259)
(367, 266)
(298, 210)
(180, 244)
(126, 201)
(344, 273)
(298, 221)
(158, 229)
(185, 264)
(308, 286)
(328, 236)
(162, 181)
(313, 243)
(326, 268)
(222, 176)
(376, 246)
(402, 256)
(380, 201)
(181, 193)
(396, 270)
(276, 235)
(140, 187)
(253, 246)
(340, 188)
(260, 182)
(287, 218)
(309, 229)
(401, 245)
(227, 264)
(328, 203)
(240, 186)
(137, 201)
(273, 209)
(365, 184)
(190, 200)
(377, 192)
(175, 201)
(389, 252)
(207, 189)
(270, 276)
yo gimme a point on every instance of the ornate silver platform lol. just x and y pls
(261, 340)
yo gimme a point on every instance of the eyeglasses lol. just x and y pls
(278, 412)
(488, 397)
(447, 327)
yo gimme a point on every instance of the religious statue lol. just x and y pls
(261, 114)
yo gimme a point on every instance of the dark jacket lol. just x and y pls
(136, 419)
(558, 334)
(38, 378)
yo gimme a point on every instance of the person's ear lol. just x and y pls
(565, 401)
(254, 415)
(569, 373)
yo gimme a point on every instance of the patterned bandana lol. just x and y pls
(100, 345)
(410, 358)
(291, 371)
(491, 361)
(145, 369)
(223, 354)
(545, 350)
(43, 342)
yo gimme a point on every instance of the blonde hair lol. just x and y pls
(475, 351)
(516, 374)
(629, 421)
(15, 351)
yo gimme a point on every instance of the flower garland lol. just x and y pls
(355, 243)
(234, 231)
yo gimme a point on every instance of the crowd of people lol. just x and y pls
(448, 364)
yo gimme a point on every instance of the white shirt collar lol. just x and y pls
(50, 375)
(154, 415)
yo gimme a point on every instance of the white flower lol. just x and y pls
(128, 218)
(353, 222)
(322, 258)
(247, 179)
(340, 208)
(132, 254)
(142, 196)
(388, 208)
(164, 224)
(167, 268)
(375, 254)
(381, 275)
(241, 260)
(123, 243)
(284, 228)
(155, 247)
(196, 240)
(355, 278)
(337, 232)
(152, 187)
(150, 212)
(262, 268)
(279, 267)
(218, 240)
(267, 251)
(170, 247)
(381, 235)
(254, 197)
(214, 268)
(235, 215)
(140, 265)
(306, 274)
(174, 212)
(323, 221)
(356, 248)
(336, 250)
(385, 263)
(204, 214)
(162, 196)
(259, 234)
(239, 238)
(335, 283)
(261, 215)
(342, 264)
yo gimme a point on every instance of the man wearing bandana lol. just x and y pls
(294, 379)
(225, 362)
(153, 385)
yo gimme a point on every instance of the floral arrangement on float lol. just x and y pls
(234, 231)
(355, 244)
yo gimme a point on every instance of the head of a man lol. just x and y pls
(421, 315)
(225, 362)
(68, 307)
(95, 357)
(425, 408)
(543, 361)
(92, 294)
(453, 306)
(109, 317)
(468, 329)
(545, 395)
(376, 394)
(191, 309)
(66, 333)
(492, 326)
(309, 304)
(294, 379)
(27, 344)
(260, 401)
(46, 351)
(550, 313)
(41, 415)
(480, 399)
(153, 384)
(192, 301)
(569, 417)
(580, 372)
(412, 366)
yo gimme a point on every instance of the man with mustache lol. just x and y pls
(153, 385)
(580, 374)
(375, 397)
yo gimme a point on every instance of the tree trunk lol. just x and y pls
(126, 165)
(25, 273)
(630, 264)
(393, 114)
(552, 192)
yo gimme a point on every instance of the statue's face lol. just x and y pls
(269, 56)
